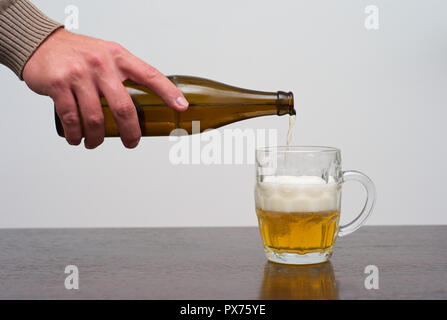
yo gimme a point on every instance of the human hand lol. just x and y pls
(74, 69)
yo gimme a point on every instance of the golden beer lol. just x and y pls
(298, 232)
(298, 216)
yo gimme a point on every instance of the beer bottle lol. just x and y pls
(212, 103)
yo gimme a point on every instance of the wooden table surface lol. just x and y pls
(217, 263)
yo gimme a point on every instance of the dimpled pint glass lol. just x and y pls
(297, 197)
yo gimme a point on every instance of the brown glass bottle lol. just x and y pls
(212, 103)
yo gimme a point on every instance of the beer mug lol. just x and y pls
(298, 199)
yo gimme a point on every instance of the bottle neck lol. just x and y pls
(285, 103)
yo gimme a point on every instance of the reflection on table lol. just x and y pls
(306, 282)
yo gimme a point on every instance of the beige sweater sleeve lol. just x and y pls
(23, 28)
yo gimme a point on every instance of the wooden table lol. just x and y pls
(217, 263)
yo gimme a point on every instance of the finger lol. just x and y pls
(91, 113)
(139, 71)
(123, 110)
(67, 111)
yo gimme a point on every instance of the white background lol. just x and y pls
(380, 96)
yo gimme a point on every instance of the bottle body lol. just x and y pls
(212, 103)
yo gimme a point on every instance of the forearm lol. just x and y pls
(23, 28)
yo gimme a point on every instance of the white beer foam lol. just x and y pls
(297, 194)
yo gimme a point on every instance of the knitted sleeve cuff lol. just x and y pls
(23, 28)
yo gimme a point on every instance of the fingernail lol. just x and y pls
(181, 102)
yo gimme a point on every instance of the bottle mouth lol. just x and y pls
(285, 103)
(292, 110)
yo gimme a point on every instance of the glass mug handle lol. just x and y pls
(369, 204)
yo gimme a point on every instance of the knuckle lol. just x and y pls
(57, 83)
(114, 48)
(125, 110)
(114, 86)
(151, 74)
(94, 121)
(77, 71)
(70, 118)
(95, 60)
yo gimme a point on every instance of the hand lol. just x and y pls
(74, 69)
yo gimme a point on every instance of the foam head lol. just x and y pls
(297, 194)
